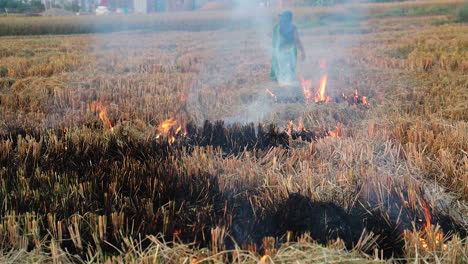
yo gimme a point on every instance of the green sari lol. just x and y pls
(284, 59)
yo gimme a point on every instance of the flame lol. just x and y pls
(165, 126)
(300, 131)
(306, 88)
(319, 96)
(166, 129)
(438, 241)
(178, 130)
(356, 99)
(271, 94)
(424, 244)
(435, 236)
(360, 99)
(320, 92)
(336, 132)
(427, 215)
(300, 126)
(99, 107)
(264, 259)
(171, 140)
(290, 127)
(364, 100)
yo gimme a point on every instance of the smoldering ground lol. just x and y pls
(139, 183)
(147, 185)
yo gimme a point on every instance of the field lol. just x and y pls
(158, 141)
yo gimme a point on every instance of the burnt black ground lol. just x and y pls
(194, 202)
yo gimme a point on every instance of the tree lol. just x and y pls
(17, 6)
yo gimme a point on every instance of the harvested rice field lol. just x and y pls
(172, 145)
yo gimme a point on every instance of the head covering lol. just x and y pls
(286, 26)
(286, 16)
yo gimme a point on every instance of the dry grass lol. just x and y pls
(73, 190)
(214, 20)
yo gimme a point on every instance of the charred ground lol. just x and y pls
(77, 186)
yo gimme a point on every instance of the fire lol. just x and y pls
(99, 107)
(320, 92)
(423, 243)
(337, 132)
(264, 259)
(178, 130)
(319, 96)
(271, 94)
(299, 131)
(290, 127)
(168, 129)
(430, 238)
(356, 99)
(300, 126)
(171, 140)
(436, 237)
(306, 88)
(427, 215)
(364, 101)
(165, 126)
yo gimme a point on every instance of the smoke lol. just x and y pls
(262, 23)
(250, 29)
(236, 55)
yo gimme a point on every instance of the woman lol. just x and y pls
(286, 42)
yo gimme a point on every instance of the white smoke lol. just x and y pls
(259, 36)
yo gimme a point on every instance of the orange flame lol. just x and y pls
(337, 132)
(356, 99)
(264, 259)
(99, 107)
(320, 93)
(437, 238)
(360, 99)
(271, 94)
(364, 100)
(291, 129)
(306, 88)
(166, 126)
(424, 244)
(166, 129)
(300, 126)
(427, 215)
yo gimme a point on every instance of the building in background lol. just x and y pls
(150, 6)
(80, 5)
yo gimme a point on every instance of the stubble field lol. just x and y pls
(89, 173)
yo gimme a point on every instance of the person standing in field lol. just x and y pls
(286, 42)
